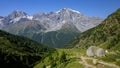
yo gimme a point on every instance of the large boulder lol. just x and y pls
(100, 52)
(95, 51)
(91, 51)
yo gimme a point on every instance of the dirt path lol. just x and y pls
(48, 66)
(104, 63)
(109, 64)
(85, 63)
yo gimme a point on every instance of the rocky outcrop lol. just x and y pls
(95, 51)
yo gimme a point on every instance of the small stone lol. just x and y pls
(94, 61)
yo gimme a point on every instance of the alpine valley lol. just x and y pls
(53, 29)
(80, 41)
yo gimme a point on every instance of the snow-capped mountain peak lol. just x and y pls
(16, 17)
(16, 14)
(54, 20)
(29, 17)
(67, 9)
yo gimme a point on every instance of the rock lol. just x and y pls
(106, 51)
(48, 66)
(94, 61)
(86, 67)
(100, 52)
(91, 51)
(95, 51)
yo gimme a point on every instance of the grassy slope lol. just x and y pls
(73, 59)
(20, 52)
(57, 60)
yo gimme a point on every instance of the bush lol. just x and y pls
(63, 57)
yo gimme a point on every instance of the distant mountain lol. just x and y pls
(1, 21)
(1, 17)
(57, 38)
(105, 35)
(46, 26)
(55, 20)
(16, 17)
(20, 52)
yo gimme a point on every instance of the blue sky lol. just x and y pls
(100, 8)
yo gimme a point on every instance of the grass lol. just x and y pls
(98, 65)
(90, 61)
(74, 64)
(72, 59)
(102, 66)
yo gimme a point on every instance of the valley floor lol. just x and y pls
(73, 58)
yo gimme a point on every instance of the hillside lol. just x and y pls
(76, 58)
(20, 52)
(57, 38)
(34, 30)
(106, 35)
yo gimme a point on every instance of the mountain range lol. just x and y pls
(54, 29)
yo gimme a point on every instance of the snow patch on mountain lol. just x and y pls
(69, 10)
(73, 10)
(1, 20)
(30, 17)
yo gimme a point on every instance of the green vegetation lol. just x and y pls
(55, 38)
(62, 58)
(20, 52)
(113, 58)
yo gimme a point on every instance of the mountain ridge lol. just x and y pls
(49, 24)
(53, 19)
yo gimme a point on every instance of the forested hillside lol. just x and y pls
(20, 52)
